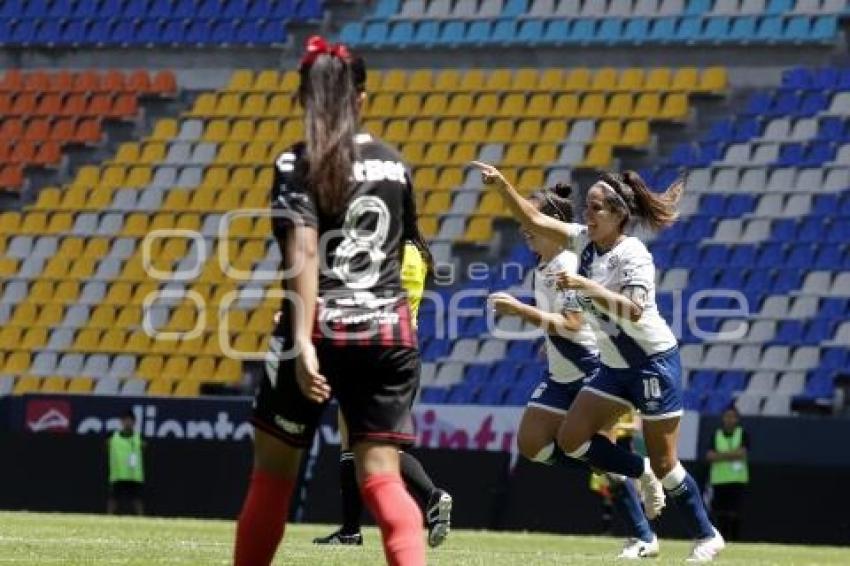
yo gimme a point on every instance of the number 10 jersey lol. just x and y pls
(361, 299)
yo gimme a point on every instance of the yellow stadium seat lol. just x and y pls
(592, 106)
(528, 131)
(437, 203)
(241, 80)
(408, 105)
(229, 371)
(103, 316)
(202, 200)
(261, 321)
(544, 154)
(202, 369)
(604, 80)
(621, 105)
(463, 153)
(41, 291)
(34, 224)
(685, 79)
(381, 105)
(161, 388)
(165, 130)
(530, 179)
(479, 230)
(513, 105)
(501, 131)
(498, 80)
(419, 199)
(477, 129)
(577, 80)
(162, 221)
(204, 105)
(3, 245)
(114, 176)
(229, 153)
(460, 105)
(373, 80)
(289, 81)
(57, 267)
(142, 290)
(242, 131)
(177, 200)
(648, 106)
(217, 131)
(435, 104)
(192, 347)
(279, 105)
(99, 198)
(50, 315)
(215, 178)
(539, 105)
(413, 152)
(551, 80)
(268, 131)
(714, 80)
(237, 320)
(80, 385)
(450, 177)
(492, 204)
(175, 367)
(447, 81)
(448, 130)
(472, 80)
(242, 177)
(150, 367)
(9, 222)
(86, 340)
(11, 336)
(119, 294)
(598, 156)
(253, 105)
(420, 80)
(26, 384)
(152, 152)
(175, 248)
(54, 384)
(422, 130)
(71, 246)
(17, 363)
(263, 180)
(395, 80)
(186, 388)
(675, 107)
(88, 176)
(609, 131)
(526, 79)
(486, 105)
(266, 81)
(34, 339)
(636, 133)
(73, 198)
(374, 126)
(631, 80)
(137, 342)
(24, 315)
(428, 225)
(258, 153)
(162, 347)
(228, 105)
(424, 178)
(246, 342)
(554, 131)
(566, 106)
(129, 317)
(48, 199)
(97, 247)
(658, 80)
(293, 131)
(517, 155)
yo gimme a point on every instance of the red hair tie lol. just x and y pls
(317, 45)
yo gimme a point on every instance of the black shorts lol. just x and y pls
(374, 386)
(126, 490)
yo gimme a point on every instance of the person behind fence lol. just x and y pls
(126, 467)
(729, 473)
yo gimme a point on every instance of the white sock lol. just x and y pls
(579, 452)
(674, 477)
(545, 454)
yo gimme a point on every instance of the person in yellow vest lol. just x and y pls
(729, 473)
(436, 503)
(126, 467)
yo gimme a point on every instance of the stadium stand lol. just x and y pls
(469, 23)
(151, 23)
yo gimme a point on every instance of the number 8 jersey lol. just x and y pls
(361, 299)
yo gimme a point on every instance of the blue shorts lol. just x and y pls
(654, 389)
(554, 396)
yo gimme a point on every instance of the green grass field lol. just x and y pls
(36, 539)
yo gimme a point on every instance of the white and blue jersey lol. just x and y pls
(572, 356)
(640, 360)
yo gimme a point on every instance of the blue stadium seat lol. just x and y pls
(148, 33)
(12, 9)
(825, 29)
(60, 9)
(791, 155)
(716, 30)
(636, 31)
(811, 229)
(82, 10)
(797, 78)
(110, 9)
(731, 381)
(460, 394)
(582, 31)
(385, 9)
(833, 307)
(834, 358)
(492, 394)
(742, 256)
(235, 9)
(743, 29)
(820, 384)
(789, 332)
(714, 255)
(452, 33)
(787, 280)
(717, 402)
(712, 205)
(799, 256)
(74, 33)
(138, 9)
(504, 372)
(522, 350)
(779, 7)
(693, 400)
(557, 32)
(351, 33)
(477, 374)
(223, 32)
(796, 30)
(376, 34)
(426, 33)
(769, 30)
(122, 33)
(98, 32)
(433, 395)
(830, 128)
(309, 10)
(721, 131)
(703, 380)
(738, 205)
(733, 278)
(23, 33)
(48, 32)
(825, 205)
(697, 7)
(248, 32)
(784, 230)
(437, 348)
(401, 34)
(785, 103)
(758, 280)
(504, 32)
(198, 33)
(519, 395)
(813, 103)
(609, 32)
(259, 10)
(159, 9)
(686, 256)
(285, 10)
(818, 331)
(826, 78)
(663, 30)
(514, 8)
(531, 32)
(689, 29)
(35, 9)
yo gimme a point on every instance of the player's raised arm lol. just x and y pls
(526, 213)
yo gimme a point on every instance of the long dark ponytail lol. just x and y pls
(634, 198)
(555, 202)
(331, 82)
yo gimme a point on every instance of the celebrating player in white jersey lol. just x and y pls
(641, 367)
(573, 357)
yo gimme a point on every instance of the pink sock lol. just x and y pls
(398, 517)
(262, 520)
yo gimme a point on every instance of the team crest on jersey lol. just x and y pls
(613, 261)
(652, 406)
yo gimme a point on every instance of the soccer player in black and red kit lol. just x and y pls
(344, 207)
